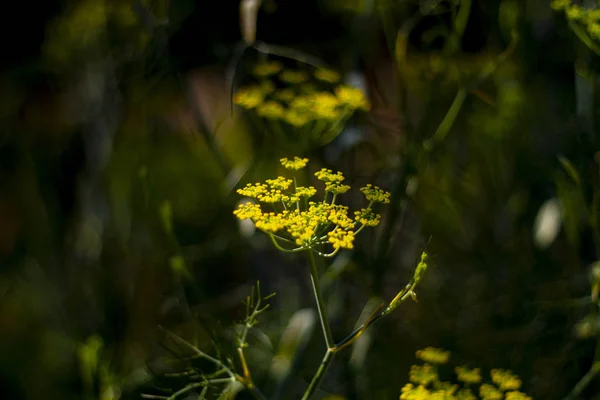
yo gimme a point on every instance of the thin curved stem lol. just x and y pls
(316, 381)
(314, 276)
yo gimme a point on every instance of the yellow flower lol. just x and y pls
(325, 106)
(279, 183)
(271, 222)
(297, 118)
(267, 68)
(248, 97)
(505, 380)
(296, 163)
(340, 238)
(293, 77)
(248, 210)
(327, 75)
(352, 97)
(515, 395)
(410, 392)
(489, 392)
(271, 110)
(366, 217)
(253, 190)
(433, 355)
(467, 375)
(423, 374)
(327, 175)
(336, 188)
(375, 194)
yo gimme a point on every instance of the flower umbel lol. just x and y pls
(308, 225)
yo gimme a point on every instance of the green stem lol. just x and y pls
(314, 276)
(316, 381)
(584, 382)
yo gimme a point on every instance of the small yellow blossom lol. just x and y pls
(293, 77)
(410, 392)
(575, 12)
(433, 355)
(515, 395)
(297, 118)
(352, 97)
(375, 194)
(253, 190)
(267, 68)
(325, 105)
(296, 163)
(247, 210)
(248, 97)
(367, 217)
(338, 215)
(489, 392)
(327, 75)
(465, 394)
(336, 188)
(271, 110)
(423, 374)
(505, 380)
(340, 238)
(279, 183)
(467, 375)
(271, 222)
(327, 175)
(303, 192)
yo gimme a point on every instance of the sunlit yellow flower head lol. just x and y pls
(490, 392)
(249, 97)
(411, 392)
(352, 97)
(297, 221)
(296, 163)
(433, 355)
(469, 376)
(375, 194)
(515, 395)
(270, 110)
(505, 380)
(423, 374)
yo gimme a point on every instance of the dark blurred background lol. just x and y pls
(119, 154)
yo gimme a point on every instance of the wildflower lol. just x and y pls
(296, 163)
(340, 238)
(515, 395)
(327, 175)
(433, 355)
(271, 110)
(423, 374)
(293, 77)
(410, 392)
(365, 216)
(469, 376)
(338, 214)
(327, 75)
(489, 392)
(249, 97)
(575, 12)
(253, 190)
(336, 188)
(267, 68)
(279, 183)
(271, 222)
(352, 97)
(560, 4)
(324, 105)
(505, 380)
(375, 194)
(297, 118)
(303, 192)
(247, 211)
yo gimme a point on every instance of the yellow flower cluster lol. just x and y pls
(425, 384)
(306, 224)
(588, 17)
(433, 355)
(298, 97)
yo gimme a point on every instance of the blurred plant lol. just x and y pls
(425, 381)
(298, 109)
(584, 21)
(227, 375)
